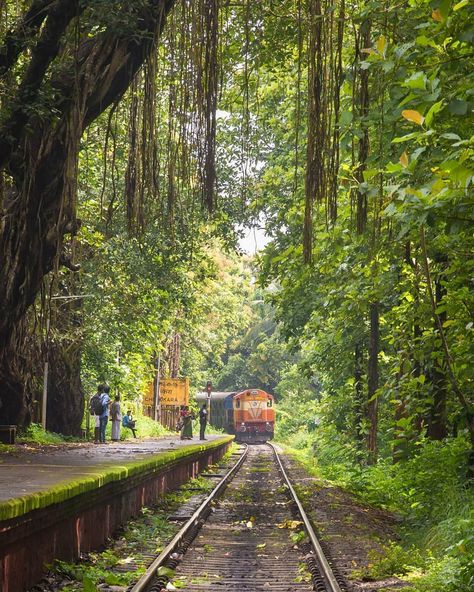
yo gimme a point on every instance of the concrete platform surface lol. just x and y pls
(31, 470)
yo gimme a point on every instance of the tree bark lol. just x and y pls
(65, 407)
(364, 146)
(65, 393)
(373, 383)
(360, 403)
(437, 421)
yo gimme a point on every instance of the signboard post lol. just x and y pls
(209, 391)
(156, 398)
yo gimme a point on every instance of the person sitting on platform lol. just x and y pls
(129, 422)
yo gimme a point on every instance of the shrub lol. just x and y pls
(35, 433)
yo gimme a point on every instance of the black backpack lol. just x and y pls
(96, 406)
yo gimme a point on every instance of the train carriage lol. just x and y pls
(221, 410)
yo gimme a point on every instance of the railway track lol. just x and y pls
(251, 533)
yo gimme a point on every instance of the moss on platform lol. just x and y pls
(95, 477)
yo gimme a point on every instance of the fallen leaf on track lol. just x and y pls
(291, 524)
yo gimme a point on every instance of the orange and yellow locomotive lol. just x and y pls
(254, 416)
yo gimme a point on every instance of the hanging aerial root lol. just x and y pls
(325, 35)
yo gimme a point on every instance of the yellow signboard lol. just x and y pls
(148, 395)
(174, 391)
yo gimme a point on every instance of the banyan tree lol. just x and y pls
(62, 64)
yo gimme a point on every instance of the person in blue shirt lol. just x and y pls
(129, 422)
(104, 417)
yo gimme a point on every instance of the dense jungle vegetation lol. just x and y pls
(138, 138)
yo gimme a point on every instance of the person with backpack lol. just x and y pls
(104, 416)
(95, 409)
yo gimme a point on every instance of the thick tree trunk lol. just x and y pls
(15, 401)
(65, 407)
(373, 383)
(30, 239)
(65, 394)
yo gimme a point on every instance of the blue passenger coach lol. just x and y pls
(221, 409)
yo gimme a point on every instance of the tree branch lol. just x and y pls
(43, 54)
(118, 60)
(16, 41)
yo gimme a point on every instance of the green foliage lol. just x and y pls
(407, 487)
(453, 572)
(146, 428)
(440, 575)
(392, 560)
(36, 434)
(428, 491)
(304, 331)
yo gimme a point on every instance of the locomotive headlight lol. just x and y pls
(268, 425)
(242, 427)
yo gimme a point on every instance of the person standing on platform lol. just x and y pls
(104, 417)
(187, 431)
(202, 421)
(95, 409)
(116, 417)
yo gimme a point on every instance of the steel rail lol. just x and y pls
(145, 580)
(323, 564)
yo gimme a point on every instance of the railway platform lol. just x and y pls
(62, 501)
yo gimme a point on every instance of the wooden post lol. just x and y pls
(156, 398)
(44, 401)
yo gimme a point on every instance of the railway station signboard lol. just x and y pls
(174, 392)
